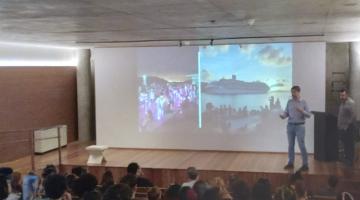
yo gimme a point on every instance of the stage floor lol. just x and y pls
(75, 154)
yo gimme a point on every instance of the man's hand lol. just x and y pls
(300, 109)
(282, 116)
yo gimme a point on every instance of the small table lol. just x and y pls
(96, 154)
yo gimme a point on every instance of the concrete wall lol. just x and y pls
(85, 96)
(337, 73)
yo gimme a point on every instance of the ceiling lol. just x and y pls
(166, 22)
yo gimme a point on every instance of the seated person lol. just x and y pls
(192, 175)
(134, 169)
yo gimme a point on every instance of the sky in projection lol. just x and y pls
(269, 63)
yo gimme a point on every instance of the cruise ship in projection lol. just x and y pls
(235, 87)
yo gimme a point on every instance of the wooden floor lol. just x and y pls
(75, 154)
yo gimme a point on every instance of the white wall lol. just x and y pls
(117, 111)
(36, 55)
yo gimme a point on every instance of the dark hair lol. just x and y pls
(107, 178)
(343, 90)
(129, 180)
(333, 181)
(118, 192)
(192, 173)
(296, 88)
(92, 195)
(262, 190)
(154, 193)
(172, 192)
(239, 190)
(200, 188)
(211, 194)
(4, 189)
(85, 183)
(48, 170)
(55, 186)
(78, 171)
(133, 168)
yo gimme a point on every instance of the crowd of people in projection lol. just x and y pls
(161, 101)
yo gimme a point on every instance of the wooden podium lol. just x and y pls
(325, 137)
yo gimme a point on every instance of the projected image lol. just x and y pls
(244, 87)
(167, 98)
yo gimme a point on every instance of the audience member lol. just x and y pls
(239, 190)
(15, 186)
(154, 194)
(106, 181)
(220, 184)
(86, 183)
(172, 193)
(30, 186)
(135, 169)
(186, 193)
(192, 176)
(200, 188)
(4, 189)
(78, 171)
(212, 194)
(118, 192)
(131, 181)
(262, 190)
(55, 187)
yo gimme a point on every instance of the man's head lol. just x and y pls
(55, 186)
(295, 92)
(118, 192)
(192, 173)
(343, 94)
(134, 168)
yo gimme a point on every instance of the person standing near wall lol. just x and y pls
(346, 124)
(296, 111)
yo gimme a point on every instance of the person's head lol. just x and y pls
(92, 195)
(134, 168)
(55, 186)
(4, 189)
(129, 180)
(343, 95)
(118, 192)
(200, 188)
(78, 171)
(85, 183)
(333, 181)
(70, 182)
(154, 193)
(211, 194)
(16, 182)
(239, 190)
(48, 170)
(262, 190)
(295, 92)
(172, 193)
(192, 173)
(107, 178)
(219, 183)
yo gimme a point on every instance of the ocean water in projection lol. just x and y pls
(244, 87)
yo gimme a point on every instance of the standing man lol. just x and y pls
(346, 124)
(296, 111)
